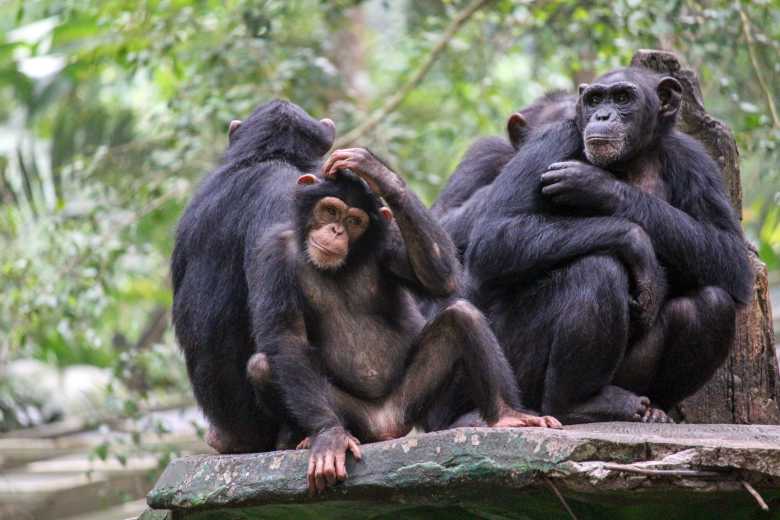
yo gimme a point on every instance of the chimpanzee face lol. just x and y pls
(333, 228)
(623, 112)
(611, 112)
(339, 222)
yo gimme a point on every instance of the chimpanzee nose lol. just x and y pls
(603, 115)
(336, 230)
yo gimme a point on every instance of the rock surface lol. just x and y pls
(607, 470)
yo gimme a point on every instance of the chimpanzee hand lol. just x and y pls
(381, 179)
(328, 456)
(581, 185)
(649, 281)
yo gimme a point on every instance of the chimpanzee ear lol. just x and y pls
(307, 180)
(670, 93)
(516, 128)
(330, 128)
(234, 124)
(386, 213)
(582, 88)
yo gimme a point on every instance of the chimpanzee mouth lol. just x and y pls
(326, 250)
(601, 139)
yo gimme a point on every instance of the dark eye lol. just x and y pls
(331, 211)
(594, 99)
(621, 97)
(354, 221)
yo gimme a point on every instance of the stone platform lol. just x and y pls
(605, 470)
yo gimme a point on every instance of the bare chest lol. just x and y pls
(647, 178)
(358, 326)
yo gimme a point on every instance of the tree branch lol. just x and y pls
(756, 68)
(396, 99)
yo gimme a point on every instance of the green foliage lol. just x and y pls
(110, 112)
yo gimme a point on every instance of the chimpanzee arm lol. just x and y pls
(419, 251)
(513, 239)
(696, 235)
(279, 331)
(508, 249)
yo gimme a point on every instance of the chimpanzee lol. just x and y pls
(348, 349)
(608, 259)
(249, 192)
(484, 160)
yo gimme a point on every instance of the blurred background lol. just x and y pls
(111, 111)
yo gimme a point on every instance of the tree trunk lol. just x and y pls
(745, 389)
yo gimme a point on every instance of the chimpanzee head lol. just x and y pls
(339, 220)
(624, 112)
(280, 130)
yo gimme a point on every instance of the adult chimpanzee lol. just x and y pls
(564, 257)
(348, 349)
(235, 204)
(456, 205)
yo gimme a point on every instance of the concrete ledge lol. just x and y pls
(600, 470)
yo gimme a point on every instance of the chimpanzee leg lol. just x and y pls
(699, 332)
(588, 343)
(241, 421)
(461, 332)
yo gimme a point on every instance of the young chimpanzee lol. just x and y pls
(348, 349)
(234, 206)
(608, 258)
(484, 160)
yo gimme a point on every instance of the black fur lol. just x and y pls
(484, 160)
(348, 347)
(557, 279)
(246, 195)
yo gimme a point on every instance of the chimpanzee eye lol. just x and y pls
(353, 221)
(594, 99)
(621, 97)
(331, 211)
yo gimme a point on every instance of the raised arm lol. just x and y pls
(419, 251)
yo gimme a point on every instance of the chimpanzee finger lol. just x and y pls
(310, 476)
(341, 466)
(552, 422)
(352, 445)
(337, 155)
(552, 176)
(562, 165)
(554, 190)
(344, 164)
(329, 469)
(319, 478)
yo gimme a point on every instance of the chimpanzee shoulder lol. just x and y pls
(482, 162)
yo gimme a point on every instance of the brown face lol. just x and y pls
(334, 227)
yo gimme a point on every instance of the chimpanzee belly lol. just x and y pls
(364, 330)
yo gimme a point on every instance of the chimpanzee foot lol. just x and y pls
(515, 419)
(469, 420)
(223, 443)
(508, 419)
(656, 415)
(305, 444)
